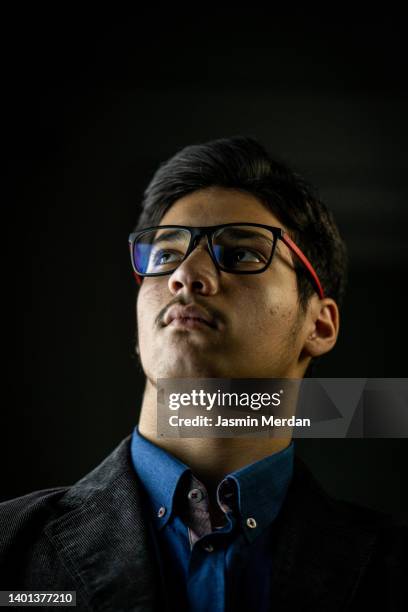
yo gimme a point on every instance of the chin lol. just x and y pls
(187, 365)
(189, 371)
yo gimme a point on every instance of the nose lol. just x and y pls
(196, 274)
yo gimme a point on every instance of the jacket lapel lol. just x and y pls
(103, 541)
(321, 552)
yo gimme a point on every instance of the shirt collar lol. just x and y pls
(160, 473)
(261, 489)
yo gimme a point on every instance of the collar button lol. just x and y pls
(196, 495)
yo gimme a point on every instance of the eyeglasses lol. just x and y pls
(237, 248)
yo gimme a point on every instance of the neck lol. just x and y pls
(210, 459)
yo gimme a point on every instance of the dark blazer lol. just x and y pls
(94, 538)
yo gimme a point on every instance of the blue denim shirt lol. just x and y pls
(207, 567)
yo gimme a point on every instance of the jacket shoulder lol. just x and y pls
(360, 514)
(25, 516)
(347, 522)
(350, 522)
(391, 531)
(322, 504)
(383, 582)
(341, 550)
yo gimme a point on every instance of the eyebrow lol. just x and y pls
(173, 234)
(235, 232)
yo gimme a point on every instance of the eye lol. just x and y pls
(242, 255)
(162, 257)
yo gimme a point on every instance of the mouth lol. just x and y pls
(190, 323)
(191, 316)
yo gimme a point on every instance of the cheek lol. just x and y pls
(150, 301)
(269, 313)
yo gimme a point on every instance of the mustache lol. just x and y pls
(214, 313)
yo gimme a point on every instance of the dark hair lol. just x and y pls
(242, 163)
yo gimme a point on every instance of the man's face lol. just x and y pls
(259, 324)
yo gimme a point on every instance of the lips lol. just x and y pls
(189, 312)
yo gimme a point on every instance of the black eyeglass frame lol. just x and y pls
(196, 233)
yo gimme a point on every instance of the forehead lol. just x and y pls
(216, 205)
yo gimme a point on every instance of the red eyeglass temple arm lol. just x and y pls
(289, 242)
(137, 278)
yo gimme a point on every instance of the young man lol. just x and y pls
(245, 281)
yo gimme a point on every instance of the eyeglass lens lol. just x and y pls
(237, 248)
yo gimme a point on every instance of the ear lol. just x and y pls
(322, 328)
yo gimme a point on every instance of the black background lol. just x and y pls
(91, 106)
